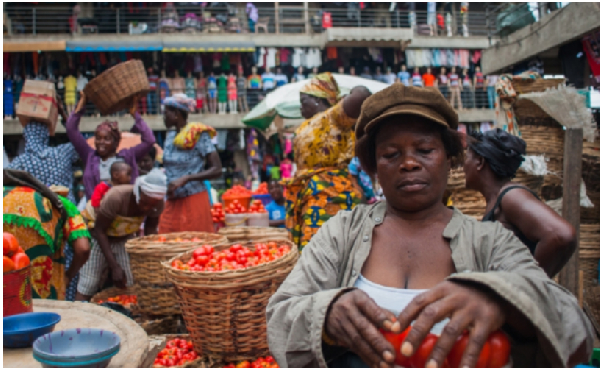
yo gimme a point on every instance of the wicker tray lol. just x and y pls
(114, 89)
(111, 293)
(528, 85)
(249, 233)
(225, 311)
(155, 293)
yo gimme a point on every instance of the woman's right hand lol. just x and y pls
(354, 321)
(118, 277)
(81, 103)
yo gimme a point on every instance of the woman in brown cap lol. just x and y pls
(411, 260)
(492, 161)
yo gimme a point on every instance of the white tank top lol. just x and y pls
(392, 299)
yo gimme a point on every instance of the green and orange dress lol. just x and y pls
(42, 231)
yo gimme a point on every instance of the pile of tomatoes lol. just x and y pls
(235, 207)
(177, 352)
(237, 191)
(267, 362)
(261, 190)
(495, 352)
(237, 257)
(14, 256)
(257, 207)
(218, 217)
(124, 300)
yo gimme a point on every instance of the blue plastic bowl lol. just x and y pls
(102, 362)
(78, 345)
(264, 198)
(21, 330)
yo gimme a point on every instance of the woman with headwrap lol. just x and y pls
(189, 159)
(492, 161)
(107, 136)
(120, 215)
(324, 146)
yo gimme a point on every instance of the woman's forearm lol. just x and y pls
(146, 135)
(553, 252)
(81, 253)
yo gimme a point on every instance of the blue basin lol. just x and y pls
(21, 330)
(78, 345)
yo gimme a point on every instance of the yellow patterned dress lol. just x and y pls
(323, 147)
(41, 232)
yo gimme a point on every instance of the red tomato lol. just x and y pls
(499, 350)
(193, 354)
(234, 248)
(21, 260)
(421, 356)
(199, 252)
(8, 266)
(396, 340)
(11, 245)
(202, 260)
(455, 355)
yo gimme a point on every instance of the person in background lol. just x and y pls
(46, 224)
(431, 18)
(323, 148)
(352, 71)
(313, 73)
(428, 78)
(363, 179)
(468, 96)
(378, 76)
(211, 87)
(242, 86)
(268, 80)
(107, 137)
(276, 208)
(286, 167)
(366, 73)
(404, 76)
(151, 98)
(490, 82)
(479, 88)
(412, 261)
(341, 70)
(492, 161)
(120, 216)
(189, 159)
(299, 75)
(389, 77)
(416, 80)
(455, 89)
(146, 163)
(280, 78)
(442, 82)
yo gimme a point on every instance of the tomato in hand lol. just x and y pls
(456, 354)
(499, 350)
(396, 339)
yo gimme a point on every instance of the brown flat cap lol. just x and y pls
(401, 100)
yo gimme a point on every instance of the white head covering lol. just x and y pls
(154, 185)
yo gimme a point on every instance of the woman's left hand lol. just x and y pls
(134, 105)
(467, 306)
(175, 184)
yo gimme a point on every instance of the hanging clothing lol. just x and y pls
(410, 58)
(332, 53)
(190, 88)
(271, 57)
(261, 57)
(197, 63)
(297, 57)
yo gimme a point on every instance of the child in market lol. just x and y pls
(276, 208)
(120, 174)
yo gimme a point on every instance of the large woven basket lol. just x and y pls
(114, 89)
(160, 326)
(589, 252)
(528, 85)
(249, 233)
(225, 312)
(155, 294)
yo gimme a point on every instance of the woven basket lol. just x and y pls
(258, 234)
(114, 89)
(589, 252)
(160, 326)
(528, 85)
(155, 294)
(201, 362)
(111, 293)
(225, 311)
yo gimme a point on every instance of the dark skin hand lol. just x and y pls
(212, 172)
(311, 105)
(409, 251)
(556, 239)
(81, 253)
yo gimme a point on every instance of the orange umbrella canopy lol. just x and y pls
(129, 140)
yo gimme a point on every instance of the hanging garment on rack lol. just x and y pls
(427, 57)
(271, 54)
(333, 54)
(436, 58)
(410, 58)
(197, 63)
(464, 58)
(297, 57)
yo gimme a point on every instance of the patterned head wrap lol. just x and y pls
(113, 128)
(154, 185)
(181, 101)
(323, 86)
(502, 151)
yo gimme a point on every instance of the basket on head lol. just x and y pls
(224, 311)
(114, 89)
(155, 294)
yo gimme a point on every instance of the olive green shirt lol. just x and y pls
(484, 253)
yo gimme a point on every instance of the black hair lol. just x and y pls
(366, 145)
(152, 153)
(117, 166)
(501, 150)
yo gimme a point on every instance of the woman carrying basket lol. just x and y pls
(98, 161)
(189, 159)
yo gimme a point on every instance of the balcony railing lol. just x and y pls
(195, 19)
(507, 18)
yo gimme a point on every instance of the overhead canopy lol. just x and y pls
(116, 45)
(23, 46)
(199, 46)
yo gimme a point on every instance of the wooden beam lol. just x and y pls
(569, 275)
(306, 22)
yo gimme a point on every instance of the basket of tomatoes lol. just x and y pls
(223, 292)
(179, 352)
(155, 294)
(16, 277)
(237, 194)
(125, 297)
(266, 362)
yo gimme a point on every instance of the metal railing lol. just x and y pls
(507, 18)
(234, 19)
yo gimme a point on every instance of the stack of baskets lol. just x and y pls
(224, 312)
(258, 234)
(115, 89)
(155, 293)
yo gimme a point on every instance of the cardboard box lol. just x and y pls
(38, 103)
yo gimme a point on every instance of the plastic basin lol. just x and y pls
(264, 198)
(78, 345)
(22, 330)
